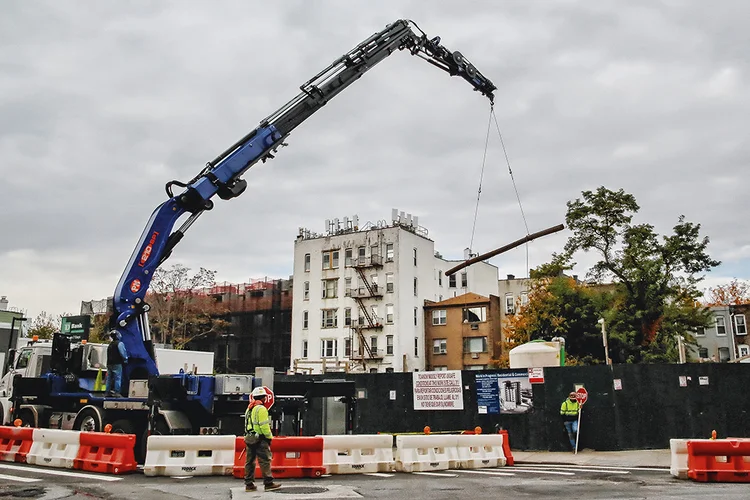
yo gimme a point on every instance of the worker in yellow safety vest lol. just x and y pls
(569, 411)
(258, 441)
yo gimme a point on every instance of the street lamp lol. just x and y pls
(604, 341)
(13, 327)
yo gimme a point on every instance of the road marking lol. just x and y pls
(602, 467)
(486, 472)
(536, 471)
(180, 477)
(378, 474)
(579, 469)
(440, 474)
(19, 478)
(53, 472)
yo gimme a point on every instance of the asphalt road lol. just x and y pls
(524, 481)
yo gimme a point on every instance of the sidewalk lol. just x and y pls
(630, 458)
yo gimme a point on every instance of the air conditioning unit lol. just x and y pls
(474, 355)
(474, 326)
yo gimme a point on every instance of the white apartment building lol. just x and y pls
(358, 294)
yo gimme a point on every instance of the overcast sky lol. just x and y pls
(102, 102)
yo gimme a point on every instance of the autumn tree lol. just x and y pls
(734, 293)
(180, 310)
(44, 325)
(656, 277)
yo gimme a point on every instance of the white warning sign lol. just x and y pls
(438, 390)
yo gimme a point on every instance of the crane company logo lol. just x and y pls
(147, 251)
(135, 285)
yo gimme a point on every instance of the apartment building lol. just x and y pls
(359, 294)
(462, 332)
(726, 339)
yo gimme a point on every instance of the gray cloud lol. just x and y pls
(103, 102)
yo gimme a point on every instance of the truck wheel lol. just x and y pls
(88, 420)
(27, 418)
(123, 426)
(160, 429)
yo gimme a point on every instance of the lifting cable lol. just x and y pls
(481, 175)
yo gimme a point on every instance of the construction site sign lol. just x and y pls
(439, 390)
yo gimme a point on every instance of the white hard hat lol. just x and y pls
(259, 392)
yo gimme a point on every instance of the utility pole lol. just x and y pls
(607, 359)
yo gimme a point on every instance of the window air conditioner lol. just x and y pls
(474, 355)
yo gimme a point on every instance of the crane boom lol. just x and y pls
(222, 175)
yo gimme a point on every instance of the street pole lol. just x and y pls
(607, 359)
(578, 428)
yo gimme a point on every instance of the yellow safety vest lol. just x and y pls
(258, 421)
(569, 408)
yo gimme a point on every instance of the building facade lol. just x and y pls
(462, 332)
(13, 325)
(726, 339)
(359, 295)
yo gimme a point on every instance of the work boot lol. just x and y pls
(251, 487)
(272, 486)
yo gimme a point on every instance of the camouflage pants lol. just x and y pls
(260, 449)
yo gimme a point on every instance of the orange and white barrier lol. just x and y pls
(189, 456)
(15, 443)
(679, 460)
(109, 453)
(54, 448)
(292, 457)
(357, 454)
(481, 450)
(719, 460)
(426, 453)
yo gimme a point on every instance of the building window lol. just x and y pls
(305, 318)
(702, 353)
(389, 252)
(374, 281)
(415, 287)
(475, 345)
(510, 306)
(475, 367)
(416, 347)
(307, 262)
(373, 370)
(440, 278)
(440, 368)
(374, 252)
(439, 346)
(389, 314)
(475, 314)
(348, 257)
(464, 280)
(330, 288)
(347, 347)
(331, 259)
(348, 316)
(389, 344)
(524, 298)
(361, 256)
(374, 345)
(389, 282)
(452, 281)
(328, 319)
(744, 349)
(415, 256)
(740, 328)
(389, 370)
(304, 348)
(700, 332)
(328, 348)
(416, 316)
(723, 354)
(721, 327)
(347, 287)
(440, 317)
(306, 291)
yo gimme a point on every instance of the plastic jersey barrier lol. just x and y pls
(108, 453)
(54, 448)
(426, 453)
(356, 454)
(189, 456)
(481, 450)
(506, 448)
(720, 460)
(293, 457)
(15, 443)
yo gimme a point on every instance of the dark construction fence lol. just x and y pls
(652, 403)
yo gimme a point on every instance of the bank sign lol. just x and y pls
(76, 327)
(438, 390)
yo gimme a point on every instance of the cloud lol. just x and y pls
(102, 103)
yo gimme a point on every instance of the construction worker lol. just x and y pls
(258, 441)
(116, 357)
(569, 411)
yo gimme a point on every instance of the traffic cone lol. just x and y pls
(99, 383)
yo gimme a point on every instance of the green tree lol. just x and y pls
(655, 276)
(44, 325)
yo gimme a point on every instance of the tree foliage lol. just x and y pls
(734, 293)
(180, 309)
(655, 276)
(44, 325)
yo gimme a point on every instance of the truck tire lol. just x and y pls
(123, 426)
(89, 419)
(160, 429)
(27, 418)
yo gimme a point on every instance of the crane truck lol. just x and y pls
(63, 395)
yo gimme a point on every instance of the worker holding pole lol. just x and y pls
(570, 411)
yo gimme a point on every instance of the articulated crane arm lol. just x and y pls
(222, 175)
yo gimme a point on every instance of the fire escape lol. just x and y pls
(367, 320)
